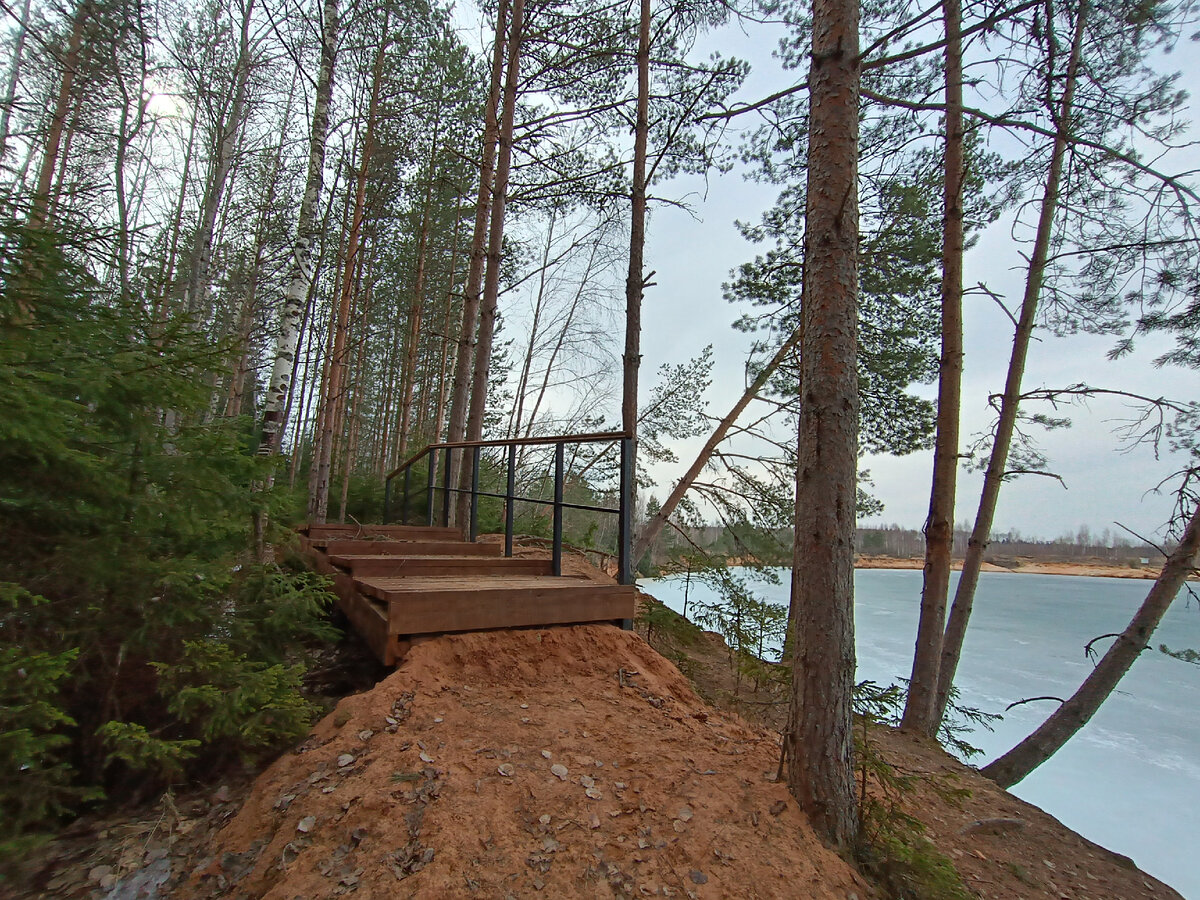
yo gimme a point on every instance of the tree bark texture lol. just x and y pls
(460, 392)
(1082, 705)
(964, 596)
(635, 281)
(300, 274)
(820, 742)
(491, 281)
(318, 501)
(920, 707)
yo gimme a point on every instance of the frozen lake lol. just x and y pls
(1130, 780)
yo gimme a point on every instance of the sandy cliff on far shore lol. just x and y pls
(1020, 567)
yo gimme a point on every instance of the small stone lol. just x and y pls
(524, 706)
(594, 822)
(222, 794)
(328, 789)
(365, 734)
(685, 813)
(544, 818)
(587, 781)
(546, 754)
(306, 824)
(559, 771)
(524, 720)
(593, 794)
(425, 757)
(438, 719)
(99, 872)
(285, 801)
(389, 720)
(679, 826)
(506, 770)
(698, 877)
(346, 759)
(777, 807)
(550, 845)
(620, 785)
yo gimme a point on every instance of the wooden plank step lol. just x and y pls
(338, 547)
(421, 605)
(368, 565)
(368, 617)
(396, 532)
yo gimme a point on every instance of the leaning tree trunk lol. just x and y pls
(819, 737)
(301, 273)
(939, 525)
(1079, 709)
(649, 534)
(14, 77)
(964, 596)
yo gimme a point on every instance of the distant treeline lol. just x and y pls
(893, 540)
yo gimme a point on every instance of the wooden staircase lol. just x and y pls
(395, 582)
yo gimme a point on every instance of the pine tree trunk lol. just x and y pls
(40, 211)
(635, 282)
(819, 739)
(653, 528)
(14, 77)
(300, 275)
(491, 285)
(461, 391)
(1082, 705)
(920, 707)
(318, 501)
(227, 138)
(964, 596)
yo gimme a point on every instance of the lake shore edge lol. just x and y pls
(1096, 569)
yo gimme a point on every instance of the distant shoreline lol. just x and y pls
(1020, 567)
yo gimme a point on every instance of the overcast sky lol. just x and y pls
(1105, 482)
(693, 253)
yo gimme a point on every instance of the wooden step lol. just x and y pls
(370, 565)
(424, 605)
(339, 547)
(395, 532)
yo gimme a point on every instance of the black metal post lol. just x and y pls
(625, 515)
(404, 501)
(474, 494)
(508, 499)
(446, 487)
(556, 557)
(387, 499)
(429, 490)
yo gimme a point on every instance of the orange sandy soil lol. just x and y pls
(1026, 567)
(442, 782)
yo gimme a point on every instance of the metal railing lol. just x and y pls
(472, 450)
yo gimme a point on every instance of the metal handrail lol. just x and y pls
(623, 511)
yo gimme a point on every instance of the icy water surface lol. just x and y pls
(1131, 779)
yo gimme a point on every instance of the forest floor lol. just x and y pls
(561, 762)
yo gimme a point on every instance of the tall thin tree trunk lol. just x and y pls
(39, 213)
(416, 308)
(964, 596)
(819, 738)
(300, 275)
(227, 136)
(514, 421)
(14, 77)
(635, 282)
(1082, 705)
(460, 394)
(167, 272)
(920, 707)
(318, 501)
(491, 285)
